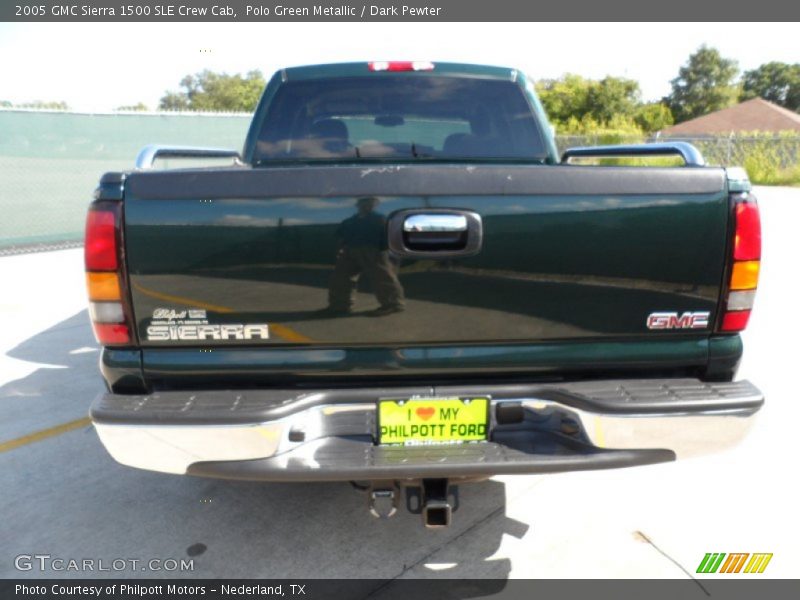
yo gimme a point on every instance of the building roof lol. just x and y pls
(753, 115)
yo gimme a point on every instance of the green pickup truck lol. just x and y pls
(401, 284)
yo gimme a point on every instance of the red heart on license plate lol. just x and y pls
(426, 412)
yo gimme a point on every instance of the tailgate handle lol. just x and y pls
(436, 222)
(435, 233)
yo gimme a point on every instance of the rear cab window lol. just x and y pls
(385, 117)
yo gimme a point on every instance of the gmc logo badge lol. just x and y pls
(672, 320)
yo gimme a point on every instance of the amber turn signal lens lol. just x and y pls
(103, 286)
(745, 275)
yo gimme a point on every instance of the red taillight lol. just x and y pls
(745, 268)
(107, 307)
(735, 320)
(747, 243)
(112, 334)
(100, 244)
(401, 65)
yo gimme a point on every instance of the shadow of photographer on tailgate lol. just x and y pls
(362, 250)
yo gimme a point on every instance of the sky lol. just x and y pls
(101, 66)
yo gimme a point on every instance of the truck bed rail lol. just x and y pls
(692, 157)
(148, 155)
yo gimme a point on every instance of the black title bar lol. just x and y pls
(743, 588)
(400, 11)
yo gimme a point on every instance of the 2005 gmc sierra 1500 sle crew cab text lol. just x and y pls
(401, 284)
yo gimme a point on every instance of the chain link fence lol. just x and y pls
(781, 151)
(50, 161)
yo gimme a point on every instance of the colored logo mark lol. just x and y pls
(719, 562)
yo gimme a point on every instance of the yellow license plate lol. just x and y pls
(432, 420)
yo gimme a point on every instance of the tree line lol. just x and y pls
(706, 82)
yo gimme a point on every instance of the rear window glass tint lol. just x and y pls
(399, 117)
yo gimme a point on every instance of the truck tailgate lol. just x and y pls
(245, 257)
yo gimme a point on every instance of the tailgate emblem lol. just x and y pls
(169, 324)
(673, 320)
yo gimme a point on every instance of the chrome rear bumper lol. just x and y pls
(283, 435)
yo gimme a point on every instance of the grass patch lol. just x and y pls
(763, 172)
